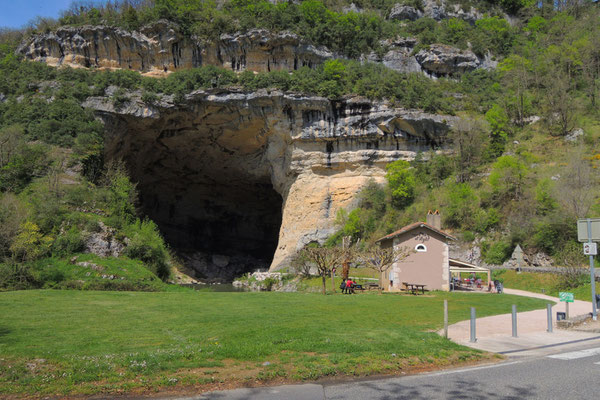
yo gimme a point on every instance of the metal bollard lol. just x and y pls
(473, 335)
(514, 320)
(549, 307)
(446, 319)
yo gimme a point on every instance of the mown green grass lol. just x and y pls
(69, 342)
(546, 283)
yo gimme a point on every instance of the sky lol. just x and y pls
(16, 13)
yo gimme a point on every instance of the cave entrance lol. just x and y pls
(220, 229)
(204, 178)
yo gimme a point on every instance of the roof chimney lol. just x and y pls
(434, 219)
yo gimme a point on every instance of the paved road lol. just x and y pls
(565, 372)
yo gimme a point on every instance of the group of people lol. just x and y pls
(347, 286)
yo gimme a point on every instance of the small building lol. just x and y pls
(429, 262)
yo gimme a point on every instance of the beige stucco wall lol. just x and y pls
(429, 268)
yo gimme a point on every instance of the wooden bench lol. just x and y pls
(414, 287)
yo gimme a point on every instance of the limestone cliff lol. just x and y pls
(160, 48)
(238, 181)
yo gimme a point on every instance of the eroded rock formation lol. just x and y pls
(435, 9)
(238, 181)
(160, 48)
(435, 60)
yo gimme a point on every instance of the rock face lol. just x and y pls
(441, 59)
(238, 181)
(435, 61)
(161, 48)
(435, 9)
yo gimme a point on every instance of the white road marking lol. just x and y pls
(574, 355)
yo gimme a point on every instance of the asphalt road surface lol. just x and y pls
(564, 372)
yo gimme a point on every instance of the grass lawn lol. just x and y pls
(84, 342)
(544, 283)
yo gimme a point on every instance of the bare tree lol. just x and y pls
(468, 138)
(12, 141)
(576, 188)
(325, 259)
(382, 259)
(573, 272)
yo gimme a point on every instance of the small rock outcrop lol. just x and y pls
(440, 59)
(103, 243)
(435, 9)
(436, 60)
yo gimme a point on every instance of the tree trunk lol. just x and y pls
(381, 282)
(323, 277)
(332, 280)
(345, 269)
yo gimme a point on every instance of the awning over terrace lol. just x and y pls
(457, 266)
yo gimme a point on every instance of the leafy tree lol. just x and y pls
(123, 194)
(507, 178)
(516, 75)
(402, 183)
(461, 206)
(498, 121)
(30, 244)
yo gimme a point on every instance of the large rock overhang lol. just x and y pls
(239, 181)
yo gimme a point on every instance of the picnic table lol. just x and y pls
(414, 287)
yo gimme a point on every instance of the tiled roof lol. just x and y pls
(416, 225)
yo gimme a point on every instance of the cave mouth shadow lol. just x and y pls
(219, 231)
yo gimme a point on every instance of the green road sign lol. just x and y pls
(565, 296)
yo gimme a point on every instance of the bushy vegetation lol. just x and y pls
(507, 180)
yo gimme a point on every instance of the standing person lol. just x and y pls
(343, 286)
(349, 286)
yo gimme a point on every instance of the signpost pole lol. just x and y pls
(592, 272)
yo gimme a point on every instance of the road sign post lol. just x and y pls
(588, 230)
(592, 272)
(567, 298)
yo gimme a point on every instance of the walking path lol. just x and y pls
(495, 333)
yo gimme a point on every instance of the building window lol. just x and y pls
(421, 248)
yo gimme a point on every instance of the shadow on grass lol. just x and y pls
(4, 331)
